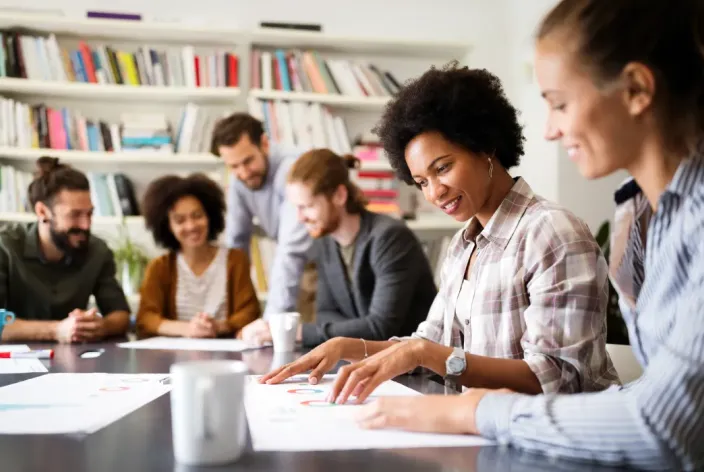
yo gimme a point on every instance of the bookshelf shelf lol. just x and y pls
(131, 157)
(121, 29)
(355, 44)
(343, 101)
(89, 91)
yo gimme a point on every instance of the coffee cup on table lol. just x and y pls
(207, 411)
(283, 327)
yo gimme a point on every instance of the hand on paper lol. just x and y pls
(453, 414)
(320, 360)
(422, 413)
(257, 332)
(201, 326)
(89, 326)
(362, 378)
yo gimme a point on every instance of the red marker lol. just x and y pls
(38, 354)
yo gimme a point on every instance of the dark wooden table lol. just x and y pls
(141, 441)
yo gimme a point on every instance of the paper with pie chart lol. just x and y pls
(75, 403)
(294, 416)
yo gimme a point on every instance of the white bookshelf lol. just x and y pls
(105, 102)
(358, 44)
(111, 158)
(106, 29)
(87, 91)
(334, 100)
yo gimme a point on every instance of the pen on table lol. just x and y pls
(37, 354)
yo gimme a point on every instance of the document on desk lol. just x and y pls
(75, 403)
(294, 416)
(19, 366)
(188, 344)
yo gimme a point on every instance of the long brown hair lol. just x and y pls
(324, 171)
(666, 36)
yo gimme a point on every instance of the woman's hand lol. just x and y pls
(362, 378)
(455, 414)
(320, 360)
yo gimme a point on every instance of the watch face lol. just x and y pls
(455, 366)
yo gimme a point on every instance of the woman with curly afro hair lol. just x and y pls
(523, 289)
(197, 289)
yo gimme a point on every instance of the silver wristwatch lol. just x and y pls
(455, 365)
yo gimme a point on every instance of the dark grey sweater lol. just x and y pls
(391, 291)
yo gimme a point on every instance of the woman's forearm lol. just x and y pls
(482, 371)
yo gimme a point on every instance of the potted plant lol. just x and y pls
(130, 260)
(616, 331)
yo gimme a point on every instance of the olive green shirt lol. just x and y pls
(36, 289)
(347, 255)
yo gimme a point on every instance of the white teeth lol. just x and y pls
(451, 203)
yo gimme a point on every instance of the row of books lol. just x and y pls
(298, 71)
(41, 58)
(303, 125)
(112, 194)
(41, 127)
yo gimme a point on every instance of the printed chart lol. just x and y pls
(187, 344)
(19, 366)
(294, 416)
(75, 403)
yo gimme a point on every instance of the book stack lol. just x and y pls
(13, 190)
(112, 195)
(146, 131)
(39, 126)
(41, 58)
(304, 125)
(194, 130)
(299, 71)
(381, 189)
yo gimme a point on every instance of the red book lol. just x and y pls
(88, 62)
(196, 65)
(277, 77)
(232, 68)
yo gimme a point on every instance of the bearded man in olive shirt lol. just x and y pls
(49, 269)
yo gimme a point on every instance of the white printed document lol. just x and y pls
(75, 403)
(19, 366)
(188, 344)
(294, 416)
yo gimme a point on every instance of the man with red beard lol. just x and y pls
(374, 281)
(49, 269)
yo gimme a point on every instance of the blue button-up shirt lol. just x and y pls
(658, 420)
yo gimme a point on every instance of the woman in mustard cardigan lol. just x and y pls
(197, 289)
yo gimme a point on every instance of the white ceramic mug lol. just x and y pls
(207, 411)
(283, 327)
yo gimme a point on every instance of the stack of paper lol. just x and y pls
(19, 366)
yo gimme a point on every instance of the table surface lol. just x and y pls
(141, 441)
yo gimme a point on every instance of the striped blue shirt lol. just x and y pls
(656, 422)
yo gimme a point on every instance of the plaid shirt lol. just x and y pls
(538, 292)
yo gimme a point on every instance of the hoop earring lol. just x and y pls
(491, 168)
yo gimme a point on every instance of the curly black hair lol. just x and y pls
(163, 193)
(467, 106)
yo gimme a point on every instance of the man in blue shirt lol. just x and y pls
(257, 190)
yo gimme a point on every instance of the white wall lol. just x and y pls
(500, 31)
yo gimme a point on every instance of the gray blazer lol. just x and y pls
(392, 289)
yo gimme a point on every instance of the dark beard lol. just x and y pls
(62, 242)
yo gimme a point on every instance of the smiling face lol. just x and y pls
(601, 128)
(247, 160)
(188, 222)
(450, 177)
(320, 214)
